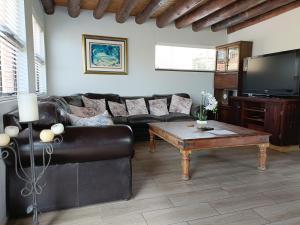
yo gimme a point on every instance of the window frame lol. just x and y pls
(186, 46)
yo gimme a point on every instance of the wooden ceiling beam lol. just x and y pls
(100, 8)
(253, 12)
(177, 10)
(74, 8)
(263, 17)
(225, 13)
(148, 11)
(201, 12)
(49, 6)
(125, 10)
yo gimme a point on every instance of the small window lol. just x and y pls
(169, 57)
(39, 58)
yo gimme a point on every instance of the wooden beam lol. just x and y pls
(201, 12)
(264, 17)
(253, 12)
(125, 10)
(178, 9)
(148, 11)
(225, 13)
(74, 8)
(100, 8)
(48, 6)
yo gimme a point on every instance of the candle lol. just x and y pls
(46, 136)
(57, 129)
(28, 107)
(4, 140)
(11, 131)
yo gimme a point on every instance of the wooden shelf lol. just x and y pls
(256, 110)
(261, 120)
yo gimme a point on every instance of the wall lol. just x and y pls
(64, 56)
(31, 7)
(274, 35)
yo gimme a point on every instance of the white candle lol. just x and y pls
(28, 107)
(11, 131)
(46, 136)
(4, 140)
(57, 129)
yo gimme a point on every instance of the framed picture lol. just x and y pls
(104, 55)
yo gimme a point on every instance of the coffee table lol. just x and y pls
(187, 138)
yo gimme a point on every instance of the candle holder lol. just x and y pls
(32, 186)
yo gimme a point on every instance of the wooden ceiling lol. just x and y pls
(232, 15)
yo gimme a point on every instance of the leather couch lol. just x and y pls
(91, 165)
(138, 123)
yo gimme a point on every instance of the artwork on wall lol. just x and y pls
(104, 55)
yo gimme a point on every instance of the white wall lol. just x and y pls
(31, 7)
(65, 64)
(277, 34)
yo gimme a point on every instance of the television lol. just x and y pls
(272, 75)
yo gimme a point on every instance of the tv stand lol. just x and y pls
(278, 116)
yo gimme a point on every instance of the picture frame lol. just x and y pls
(105, 55)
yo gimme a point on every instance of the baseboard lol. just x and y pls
(290, 148)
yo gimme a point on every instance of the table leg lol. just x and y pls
(185, 163)
(262, 156)
(152, 143)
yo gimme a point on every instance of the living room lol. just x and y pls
(142, 165)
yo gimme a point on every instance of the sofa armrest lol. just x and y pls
(81, 144)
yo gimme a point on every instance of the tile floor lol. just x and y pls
(225, 189)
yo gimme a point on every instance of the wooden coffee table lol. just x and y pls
(187, 138)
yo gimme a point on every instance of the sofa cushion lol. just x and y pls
(147, 98)
(82, 111)
(117, 109)
(95, 121)
(74, 100)
(169, 97)
(136, 106)
(120, 120)
(144, 119)
(48, 115)
(177, 117)
(158, 107)
(181, 105)
(97, 104)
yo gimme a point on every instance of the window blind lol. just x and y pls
(13, 63)
(39, 58)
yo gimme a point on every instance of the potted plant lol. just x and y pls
(207, 103)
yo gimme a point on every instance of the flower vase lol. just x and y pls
(201, 124)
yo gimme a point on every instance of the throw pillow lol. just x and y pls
(180, 104)
(158, 107)
(97, 104)
(136, 106)
(95, 121)
(82, 111)
(117, 109)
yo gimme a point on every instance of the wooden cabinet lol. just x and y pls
(278, 116)
(229, 74)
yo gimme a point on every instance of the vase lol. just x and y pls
(201, 124)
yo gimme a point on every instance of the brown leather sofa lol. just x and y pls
(91, 165)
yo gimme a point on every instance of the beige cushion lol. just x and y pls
(136, 106)
(117, 109)
(158, 107)
(95, 121)
(180, 105)
(82, 111)
(97, 104)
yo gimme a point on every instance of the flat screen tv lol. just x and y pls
(273, 74)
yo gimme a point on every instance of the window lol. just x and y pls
(168, 57)
(13, 69)
(39, 58)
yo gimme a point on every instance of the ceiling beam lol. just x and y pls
(48, 6)
(253, 12)
(74, 8)
(153, 6)
(125, 10)
(225, 13)
(100, 8)
(176, 10)
(201, 12)
(266, 16)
